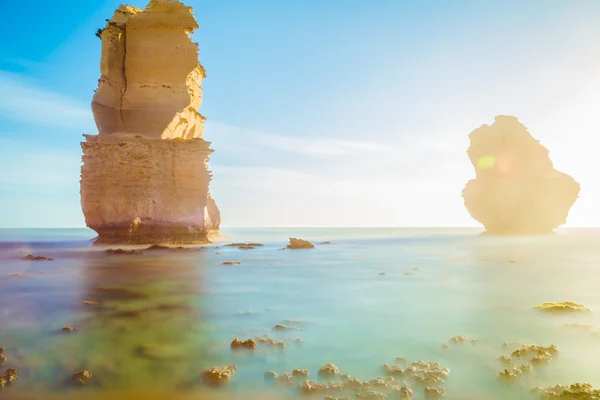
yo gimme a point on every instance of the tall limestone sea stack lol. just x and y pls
(144, 177)
(516, 190)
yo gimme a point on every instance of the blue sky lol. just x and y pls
(321, 112)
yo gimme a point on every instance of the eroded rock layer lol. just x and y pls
(145, 177)
(516, 189)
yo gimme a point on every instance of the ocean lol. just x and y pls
(158, 319)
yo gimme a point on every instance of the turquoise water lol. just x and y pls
(163, 317)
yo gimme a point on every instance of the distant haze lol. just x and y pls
(321, 112)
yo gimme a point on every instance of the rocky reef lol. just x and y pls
(516, 189)
(144, 177)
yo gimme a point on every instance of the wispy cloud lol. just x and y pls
(239, 139)
(23, 101)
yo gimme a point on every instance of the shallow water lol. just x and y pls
(163, 317)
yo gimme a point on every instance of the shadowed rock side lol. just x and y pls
(144, 177)
(516, 189)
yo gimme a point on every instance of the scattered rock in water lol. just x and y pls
(300, 373)
(8, 377)
(265, 339)
(270, 375)
(583, 391)
(90, 303)
(216, 376)
(218, 252)
(328, 370)
(231, 263)
(371, 395)
(474, 341)
(427, 374)
(245, 246)
(561, 307)
(31, 257)
(285, 379)
(82, 377)
(406, 393)
(281, 327)
(536, 351)
(3, 358)
(123, 252)
(409, 273)
(506, 360)
(327, 242)
(393, 370)
(315, 387)
(299, 244)
(160, 247)
(245, 312)
(382, 273)
(246, 344)
(402, 361)
(432, 393)
(68, 329)
(510, 375)
(336, 398)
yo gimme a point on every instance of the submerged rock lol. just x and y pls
(371, 395)
(144, 177)
(246, 246)
(285, 379)
(299, 244)
(516, 189)
(68, 329)
(231, 263)
(123, 252)
(434, 393)
(82, 377)
(31, 257)
(216, 376)
(561, 307)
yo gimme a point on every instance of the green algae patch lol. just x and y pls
(561, 307)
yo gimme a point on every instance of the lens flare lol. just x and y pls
(486, 162)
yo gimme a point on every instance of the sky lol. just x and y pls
(322, 113)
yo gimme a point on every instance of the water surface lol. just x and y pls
(163, 317)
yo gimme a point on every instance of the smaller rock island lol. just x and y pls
(516, 191)
(144, 177)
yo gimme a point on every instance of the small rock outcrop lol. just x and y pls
(300, 244)
(516, 189)
(144, 177)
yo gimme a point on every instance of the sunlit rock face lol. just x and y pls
(516, 189)
(144, 177)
